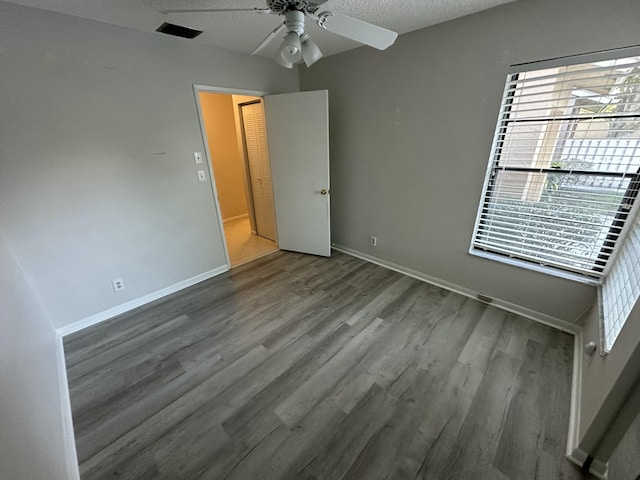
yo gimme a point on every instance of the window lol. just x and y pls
(620, 289)
(565, 166)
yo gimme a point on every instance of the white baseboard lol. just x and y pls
(539, 317)
(237, 217)
(138, 302)
(597, 468)
(72, 470)
(573, 452)
(577, 457)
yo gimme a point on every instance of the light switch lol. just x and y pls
(202, 176)
(197, 156)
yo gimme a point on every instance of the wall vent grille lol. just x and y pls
(178, 31)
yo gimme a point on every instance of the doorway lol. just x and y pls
(235, 131)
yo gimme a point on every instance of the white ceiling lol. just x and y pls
(243, 31)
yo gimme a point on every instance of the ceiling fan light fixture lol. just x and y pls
(283, 62)
(311, 53)
(291, 49)
(296, 46)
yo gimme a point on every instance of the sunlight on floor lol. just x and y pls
(243, 245)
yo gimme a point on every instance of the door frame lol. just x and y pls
(197, 89)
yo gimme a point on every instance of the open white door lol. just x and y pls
(298, 132)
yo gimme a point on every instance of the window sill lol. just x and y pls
(515, 262)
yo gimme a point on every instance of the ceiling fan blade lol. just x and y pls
(217, 10)
(274, 33)
(358, 30)
(313, 5)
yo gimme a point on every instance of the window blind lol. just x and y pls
(620, 289)
(564, 168)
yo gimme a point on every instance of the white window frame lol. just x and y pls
(512, 260)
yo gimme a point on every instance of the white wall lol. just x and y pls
(98, 129)
(32, 444)
(411, 131)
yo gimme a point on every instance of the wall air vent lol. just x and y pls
(484, 298)
(178, 31)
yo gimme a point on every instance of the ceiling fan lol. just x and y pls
(297, 46)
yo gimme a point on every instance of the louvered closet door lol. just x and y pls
(255, 137)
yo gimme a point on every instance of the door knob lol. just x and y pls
(324, 191)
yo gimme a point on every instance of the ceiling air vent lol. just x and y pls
(178, 31)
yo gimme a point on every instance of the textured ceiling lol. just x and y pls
(243, 31)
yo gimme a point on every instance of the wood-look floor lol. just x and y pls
(298, 367)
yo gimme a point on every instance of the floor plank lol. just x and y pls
(302, 367)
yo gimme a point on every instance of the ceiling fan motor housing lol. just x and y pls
(294, 20)
(281, 6)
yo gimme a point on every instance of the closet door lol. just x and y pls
(256, 147)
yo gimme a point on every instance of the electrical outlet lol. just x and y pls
(373, 241)
(197, 157)
(117, 284)
(202, 176)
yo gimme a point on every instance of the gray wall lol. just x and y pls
(411, 131)
(624, 463)
(31, 433)
(608, 384)
(98, 126)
